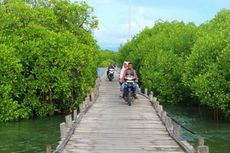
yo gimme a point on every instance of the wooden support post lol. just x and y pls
(88, 100)
(176, 130)
(163, 116)
(97, 91)
(160, 108)
(48, 149)
(63, 130)
(68, 120)
(151, 93)
(200, 141)
(81, 108)
(86, 104)
(98, 84)
(151, 96)
(157, 105)
(92, 96)
(168, 123)
(146, 92)
(202, 149)
(75, 115)
(154, 102)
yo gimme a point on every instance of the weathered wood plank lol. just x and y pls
(111, 126)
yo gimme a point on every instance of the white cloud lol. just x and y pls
(109, 37)
(114, 35)
(113, 19)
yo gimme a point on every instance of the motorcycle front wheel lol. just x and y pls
(129, 97)
(110, 77)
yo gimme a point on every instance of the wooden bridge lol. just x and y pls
(106, 124)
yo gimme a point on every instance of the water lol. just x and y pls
(216, 134)
(100, 71)
(33, 135)
(30, 135)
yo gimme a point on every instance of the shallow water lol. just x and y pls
(33, 135)
(30, 135)
(216, 134)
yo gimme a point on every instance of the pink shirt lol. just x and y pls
(122, 73)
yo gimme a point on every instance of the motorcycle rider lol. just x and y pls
(132, 72)
(110, 66)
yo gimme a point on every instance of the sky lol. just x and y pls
(115, 15)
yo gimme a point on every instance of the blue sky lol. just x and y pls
(113, 16)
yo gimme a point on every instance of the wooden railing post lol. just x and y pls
(75, 115)
(168, 123)
(156, 105)
(151, 96)
(81, 107)
(92, 96)
(97, 89)
(154, 99)
(163, 116)
(146, 92)
(85, 103)
(159, 109)
(68, 120)
(201, 148)
(63, 130)
(154, 102)
(48, 149)
(67, 127)
(176, 130)
(200, 141)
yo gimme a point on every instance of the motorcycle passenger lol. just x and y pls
(124, 68)
(131, 72)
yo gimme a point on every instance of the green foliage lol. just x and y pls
(10, 69)
(47, 57)
(108, 56)
(208, 66)
(184, 63)
(159, 54)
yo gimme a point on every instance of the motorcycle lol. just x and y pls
(129, 90)
(110, 74)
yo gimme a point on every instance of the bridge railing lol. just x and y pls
(72, 120)
(174, 128)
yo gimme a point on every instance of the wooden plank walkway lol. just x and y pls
(111, 126)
